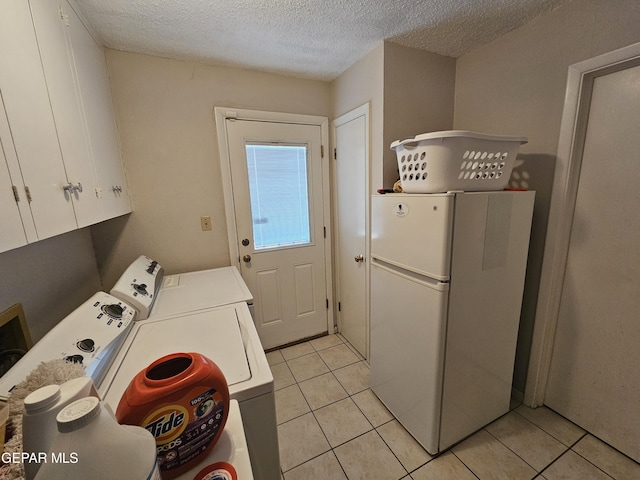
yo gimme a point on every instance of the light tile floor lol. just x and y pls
(332, 427)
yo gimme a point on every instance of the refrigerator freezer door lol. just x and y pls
(413, 232)
(407, 348)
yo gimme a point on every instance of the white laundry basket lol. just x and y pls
(456, 160)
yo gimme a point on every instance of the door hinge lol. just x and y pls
(27, 191)
(327, 303)
(325, 231)
(335, 153)
(321, 151)
(339, 307)
(16, 195)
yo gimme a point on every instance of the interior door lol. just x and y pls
(277, 181)
(594, 379)
(351, 141)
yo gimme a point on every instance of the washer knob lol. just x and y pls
(113, 310)
(74, 358)
(141, 288)
(86, 345)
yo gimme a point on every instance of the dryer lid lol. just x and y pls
(187, 292)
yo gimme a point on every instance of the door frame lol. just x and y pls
(221, 114)
(361, 111)
(573, 129)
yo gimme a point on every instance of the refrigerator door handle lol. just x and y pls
(411, 276)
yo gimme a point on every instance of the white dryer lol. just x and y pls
(206, 312)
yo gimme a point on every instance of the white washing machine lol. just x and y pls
(92, 335)
(206, 312)
(101, 331)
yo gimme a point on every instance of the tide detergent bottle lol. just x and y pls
(183, 400)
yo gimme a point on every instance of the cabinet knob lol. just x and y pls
(359, 258)
(117, 188)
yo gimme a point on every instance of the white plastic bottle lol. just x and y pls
(39, 418)
(91, 444)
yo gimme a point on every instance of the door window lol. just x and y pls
(278, 190)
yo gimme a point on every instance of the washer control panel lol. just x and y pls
(139, 284)
(90, 335)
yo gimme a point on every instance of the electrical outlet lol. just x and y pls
(205, 223)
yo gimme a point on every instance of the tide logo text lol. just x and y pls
(167, 423)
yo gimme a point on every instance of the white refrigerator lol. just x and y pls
(447, 276)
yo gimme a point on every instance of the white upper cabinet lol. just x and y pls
(51, 34)
(60, 167)
(91, 68)
(33, 131)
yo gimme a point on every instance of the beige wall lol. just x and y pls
(410, 92)
(362, 83)
(50, 278)
(418, 98)
(164, 112)
(516, 85)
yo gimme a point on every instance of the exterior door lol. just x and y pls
(351, 141)
(594, 378)
(277, 180)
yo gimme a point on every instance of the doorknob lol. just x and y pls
(246, 258)
(359, 258)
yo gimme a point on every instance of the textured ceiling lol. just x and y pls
(316, 39)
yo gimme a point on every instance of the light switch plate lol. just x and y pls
(205, 223)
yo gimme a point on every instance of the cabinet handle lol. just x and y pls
(70, 188)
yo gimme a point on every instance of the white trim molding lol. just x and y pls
(565, 187)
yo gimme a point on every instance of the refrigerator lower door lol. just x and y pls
(408, 315)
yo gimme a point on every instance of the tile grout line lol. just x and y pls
(545, 431)
(516, 453)
(312, 411)
(570, 449)
(349, 396)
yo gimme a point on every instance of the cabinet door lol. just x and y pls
(31, 121)
(13, 233)
(57, 61)
(93, 80)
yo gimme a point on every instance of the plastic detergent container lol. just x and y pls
(91, 444)
(39, 416)
(183, 400)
